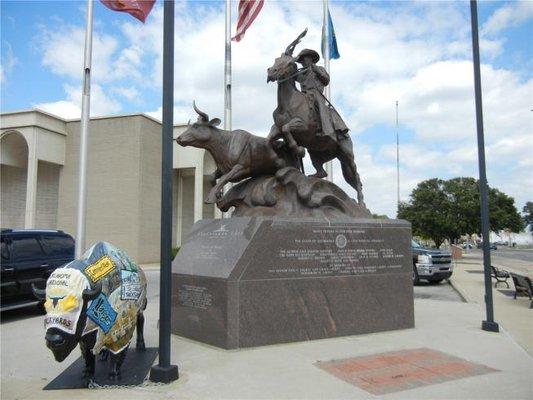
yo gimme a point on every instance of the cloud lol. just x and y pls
(8, 62)
(101, 103)
(418, 53)
(130, 93)
(510, 15)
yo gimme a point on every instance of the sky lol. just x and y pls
(416, 53)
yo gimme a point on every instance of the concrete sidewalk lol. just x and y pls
(514, 316)
(287, 371)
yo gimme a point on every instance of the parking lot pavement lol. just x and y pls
(442, 291)
(513, 253)
(285, 371)
(514, 260)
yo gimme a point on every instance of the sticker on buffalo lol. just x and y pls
(64, 301)
(100, 268)
(102, 313)
(131, 285)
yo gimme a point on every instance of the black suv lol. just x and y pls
(29, 256)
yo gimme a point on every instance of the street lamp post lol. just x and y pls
(488, 324)
(164, 371)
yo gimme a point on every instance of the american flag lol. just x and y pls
(248, 11)
(137, 8)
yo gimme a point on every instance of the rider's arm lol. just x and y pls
(321, 74)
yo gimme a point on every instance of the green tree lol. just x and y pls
(446, 209)
(528, 213)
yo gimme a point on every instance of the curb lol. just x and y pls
(460, 291)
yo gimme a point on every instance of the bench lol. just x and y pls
(523, 285)
(500, 275)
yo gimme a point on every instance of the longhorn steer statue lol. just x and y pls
(96, 301)
(238, 154)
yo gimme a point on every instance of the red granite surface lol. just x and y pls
(401, 370)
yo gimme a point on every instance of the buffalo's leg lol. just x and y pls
(349, 169)
(116, 363)
(86, 346)
(104, 355)
(139, 345)
(235, 174)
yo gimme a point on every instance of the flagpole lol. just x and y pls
(327, 90)
(164, 371)
(227, 77)
(397, 158)
(84, 132)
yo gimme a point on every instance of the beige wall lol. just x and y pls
(121, 185)
(47, 195)
(150, 192)
(123, 179)
(12, 196)
(187, 205)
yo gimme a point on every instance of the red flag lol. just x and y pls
(137, 8)
(248, 10)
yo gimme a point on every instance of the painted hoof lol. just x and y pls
(114, 376)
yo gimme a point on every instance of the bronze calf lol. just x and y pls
(238, 154)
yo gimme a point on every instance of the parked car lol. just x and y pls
(432, 265)
(492, 246)
(29, 256)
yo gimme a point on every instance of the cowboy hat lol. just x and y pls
(308, 53)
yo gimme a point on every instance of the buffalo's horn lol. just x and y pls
(202, 114)
(91, 294)
(38, 293)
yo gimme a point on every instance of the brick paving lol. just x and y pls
(401, 370)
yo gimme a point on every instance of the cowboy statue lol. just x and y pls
(305, 119)
(312, 79)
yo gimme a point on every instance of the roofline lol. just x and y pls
(38, 110)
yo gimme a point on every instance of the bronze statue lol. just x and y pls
(269, 172)
(306, 120)
(238, 154)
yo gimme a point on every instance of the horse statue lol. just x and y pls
(297, 120)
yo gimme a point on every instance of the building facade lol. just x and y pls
(39, 157)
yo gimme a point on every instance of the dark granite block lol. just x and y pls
(243, 282)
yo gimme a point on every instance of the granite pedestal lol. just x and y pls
(243, 282)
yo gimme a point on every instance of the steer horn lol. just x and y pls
(203, 116)
(91, 294)
(38, 293)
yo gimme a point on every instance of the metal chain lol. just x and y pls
(146, 383)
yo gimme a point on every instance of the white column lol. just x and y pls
(179, 209)
(198, 192)
(31, 184)
(217, 214)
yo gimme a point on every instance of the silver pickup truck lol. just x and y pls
(432, 265)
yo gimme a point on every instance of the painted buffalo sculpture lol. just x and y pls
(97, 302)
